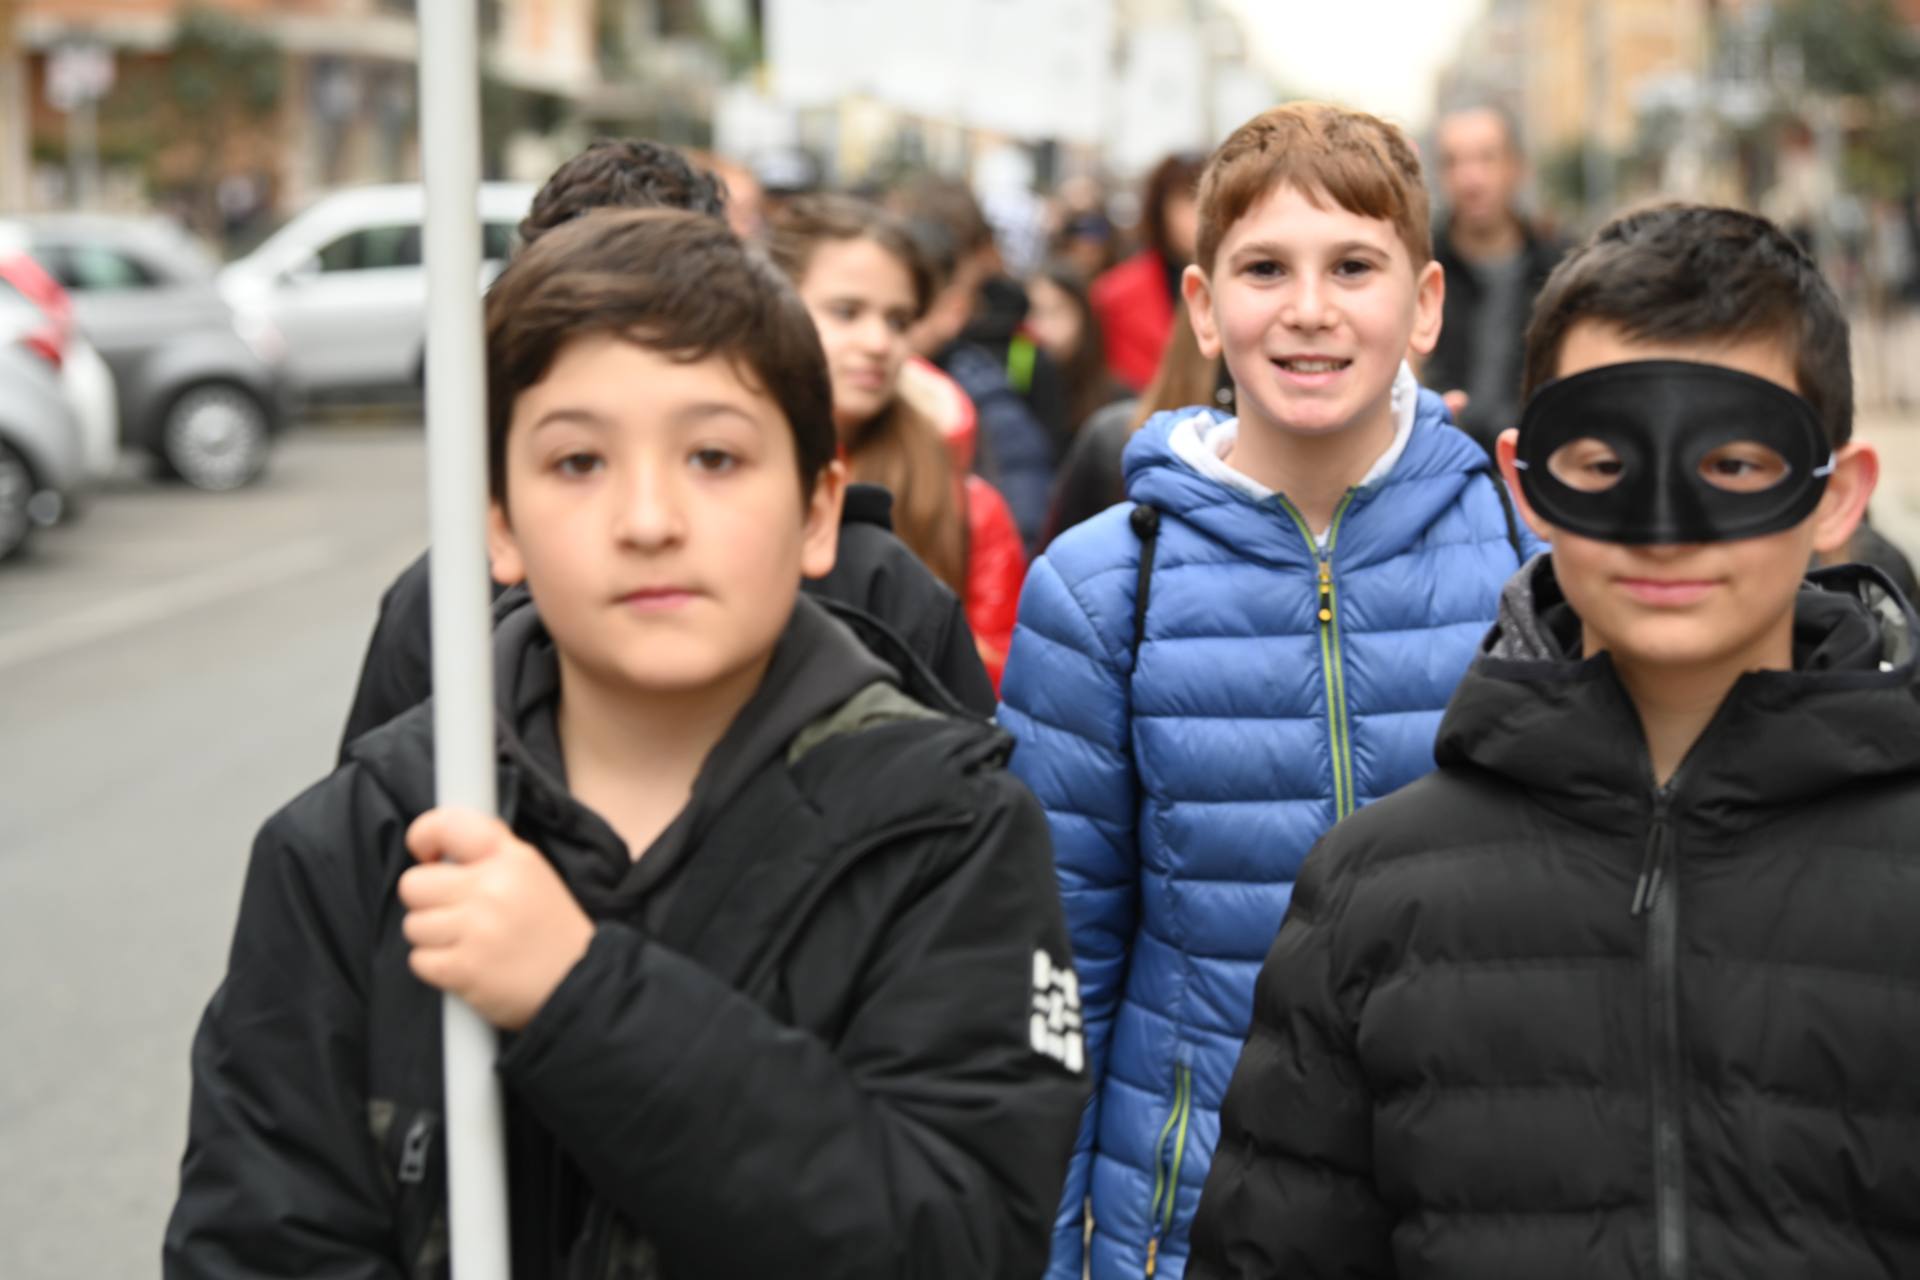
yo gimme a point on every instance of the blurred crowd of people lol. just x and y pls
(1035, 379)
(993, 405)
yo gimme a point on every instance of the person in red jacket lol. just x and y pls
(905, 426)
(996, 556)
(1135, 300)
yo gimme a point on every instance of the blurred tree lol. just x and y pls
(223, 78)
(1846, 47)
(1566, 172)
(1867, 55)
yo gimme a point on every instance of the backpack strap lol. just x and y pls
(1513, 522)
(1146, 526)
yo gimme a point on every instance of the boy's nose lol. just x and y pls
(1308, 307)
(650, 513)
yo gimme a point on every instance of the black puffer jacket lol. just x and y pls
(1530, 1018)
(873, 572)
(812, 1035)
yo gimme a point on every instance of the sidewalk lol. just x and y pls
(1896, 504)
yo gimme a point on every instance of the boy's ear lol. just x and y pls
(1505, 449)
(1197, 291)
(820, 541)
(1856, 471)
(503, 549)
(1429, 306)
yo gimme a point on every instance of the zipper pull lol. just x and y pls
(1326, 592)
(1651, 867)
(1153, 1255)
(413, 1151)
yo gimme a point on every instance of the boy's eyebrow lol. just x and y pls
(693, 414)
(684, 416)
(569, 416)
(1273, 249)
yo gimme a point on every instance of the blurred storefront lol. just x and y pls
(229, 110)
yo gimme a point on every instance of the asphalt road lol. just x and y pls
(173, 668)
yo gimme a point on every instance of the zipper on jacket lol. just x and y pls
(1665, 1104)
(1166, 1163)
(1332, 666)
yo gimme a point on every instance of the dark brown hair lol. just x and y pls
(949, 204)
(901, 449)
(1175, 175)
(1681, 272)
(622, 173)
(673, 282)
(1360, 162)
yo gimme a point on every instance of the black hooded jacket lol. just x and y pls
(998, 313)
(810, 1036)
(1450, 366)
(1533, 1017)
(873, 572)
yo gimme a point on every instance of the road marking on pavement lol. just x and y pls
(158, 603)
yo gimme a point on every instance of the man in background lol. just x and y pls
(1495, 263)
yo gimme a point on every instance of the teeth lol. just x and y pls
(1313, 366)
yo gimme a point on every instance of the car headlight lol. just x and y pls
(262, 337)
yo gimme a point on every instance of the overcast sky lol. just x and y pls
(1376, 55)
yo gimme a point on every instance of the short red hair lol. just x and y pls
(1360, 162)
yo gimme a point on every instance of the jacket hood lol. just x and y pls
(1533, 710)
(1383, 519)
(818, 666)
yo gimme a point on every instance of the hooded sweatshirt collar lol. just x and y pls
(817, 666)
(1386, 515)
(1204, 440)
(1534, 711)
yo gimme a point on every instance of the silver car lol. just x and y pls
(41, 462)
(199, 387)
(346, 284)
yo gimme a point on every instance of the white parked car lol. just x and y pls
(344, 284)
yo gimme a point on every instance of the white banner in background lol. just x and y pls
(1163, 98)
(1041, 68)
(1239, 94)
(1080, 69)
(821, 51)
(1027, 68)
(927, 56)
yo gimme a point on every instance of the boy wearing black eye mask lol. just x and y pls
(1631, 985)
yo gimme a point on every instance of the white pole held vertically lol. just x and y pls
(462, 616)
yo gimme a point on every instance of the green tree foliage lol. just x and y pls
(1847, 47)
(222, 76)
(222, 69)
(1864, 53)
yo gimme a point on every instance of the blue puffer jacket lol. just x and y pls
(1184, 787)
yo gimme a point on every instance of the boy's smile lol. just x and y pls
(654, 509)
(1313, 308)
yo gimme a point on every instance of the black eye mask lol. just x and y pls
(1662, 451)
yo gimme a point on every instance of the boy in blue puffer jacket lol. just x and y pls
(1207, 678)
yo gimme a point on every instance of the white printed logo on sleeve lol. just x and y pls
(1055, 1025)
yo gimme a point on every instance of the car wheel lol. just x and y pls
(215, 437)
(16, 502)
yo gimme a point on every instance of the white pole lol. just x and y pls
(462, 616)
